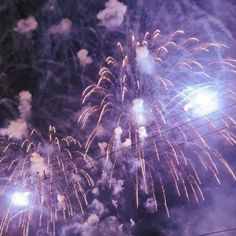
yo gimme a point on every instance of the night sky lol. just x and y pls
(52, 52)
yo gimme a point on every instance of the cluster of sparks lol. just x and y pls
(46, 179)
(154, 110)
(151, 114)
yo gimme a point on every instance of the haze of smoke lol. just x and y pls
(18, 129)
(26, 25)
(83, 57)
(63, 27)
(113, 15)
(215, 214)
(38, 164)
(96, 221)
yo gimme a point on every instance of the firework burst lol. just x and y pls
(43, 180)
(157, 110)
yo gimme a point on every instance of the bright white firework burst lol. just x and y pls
(55, 173)
(157, 115)
(20, 199)
(202, 102)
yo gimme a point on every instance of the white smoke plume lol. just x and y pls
(117, 136)
(25, 104)
(142, 132)
(138, 111)
(18, 129)
(61, 201)
(144, 60)
(95, 222)
(63, 27)
(113, 15)
(118, 142)
(117, 132)
(127, 143)
(83, 57)
(139, 114)
(95, 226)
(38, 165)
(95, 191)
(26, 25)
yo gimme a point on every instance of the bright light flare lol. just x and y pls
(20, 198)
(202, 102)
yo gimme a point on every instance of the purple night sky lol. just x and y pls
(106, 129)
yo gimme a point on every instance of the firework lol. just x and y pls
(156, 112)
(43, 180)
